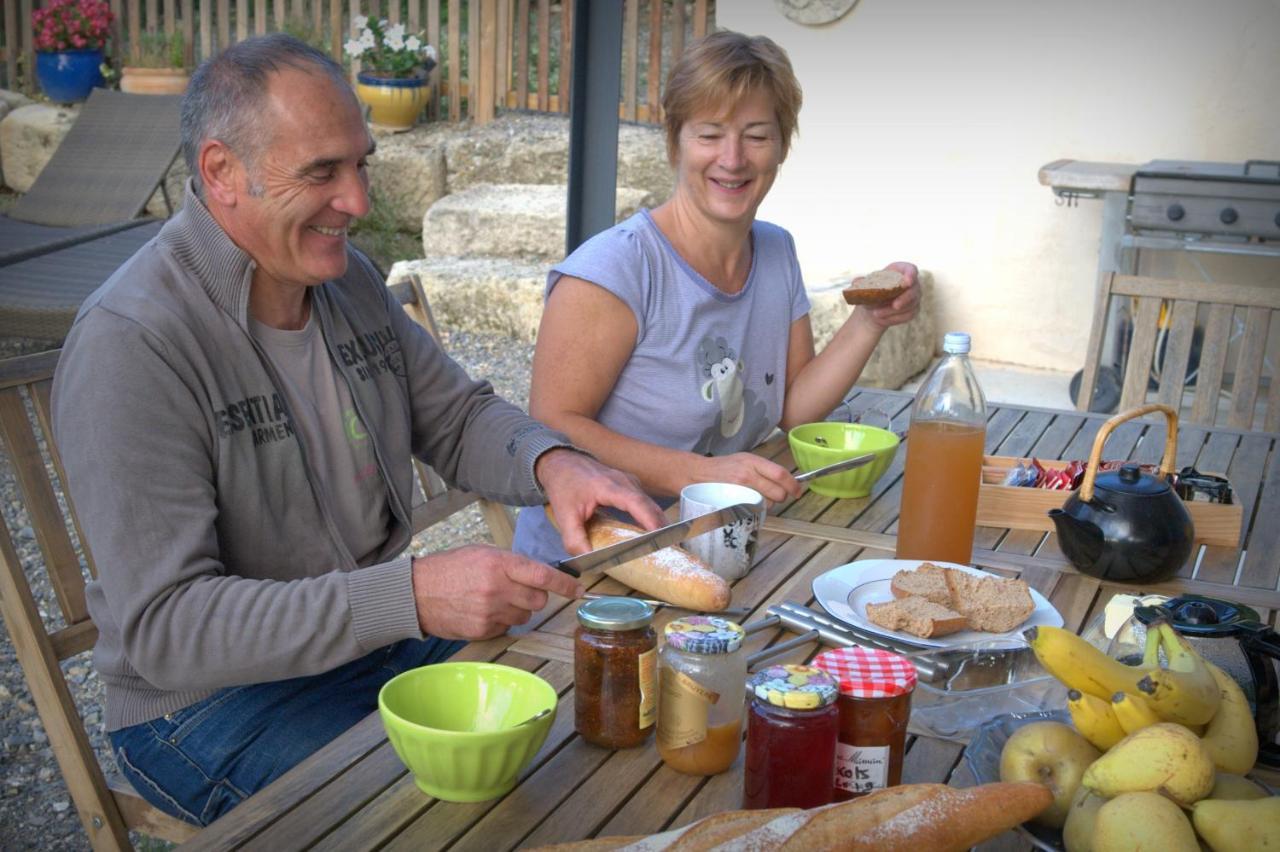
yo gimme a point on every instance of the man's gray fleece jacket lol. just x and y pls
(218, 562)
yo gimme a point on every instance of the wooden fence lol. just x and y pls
(493, 53)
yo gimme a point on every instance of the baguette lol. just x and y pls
(878, 288)
(672, 574)
(909, 818)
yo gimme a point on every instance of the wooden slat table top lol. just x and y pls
(354, 794)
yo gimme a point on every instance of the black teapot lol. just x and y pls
(1125, 525)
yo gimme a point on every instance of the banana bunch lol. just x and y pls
(1182, 730)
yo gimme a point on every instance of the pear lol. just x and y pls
(1238, 826)
(1235, 787)
(1133, 821)
(1077, 834)
(1164, 758)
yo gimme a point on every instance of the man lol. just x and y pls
(236, 408)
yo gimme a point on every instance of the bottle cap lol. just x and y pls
(956, 343)
(615, 614)
(704, 634)
(793, 687)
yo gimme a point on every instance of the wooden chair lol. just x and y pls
(108, 807)
(1231, 367)
(442, 501)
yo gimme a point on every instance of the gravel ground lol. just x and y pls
(35, 808)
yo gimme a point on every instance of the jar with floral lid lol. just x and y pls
(874, 707)
(615, 672)
(792, 725)
(701, 671)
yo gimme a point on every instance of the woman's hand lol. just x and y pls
(772, 480)
(902, 309)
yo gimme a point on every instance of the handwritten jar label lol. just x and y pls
(861, 769)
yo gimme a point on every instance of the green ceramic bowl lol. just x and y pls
(454, 725)
(816, 444)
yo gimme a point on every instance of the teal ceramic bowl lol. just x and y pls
(816, 444)
(454, 725)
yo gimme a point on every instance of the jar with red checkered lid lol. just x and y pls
(875, 707)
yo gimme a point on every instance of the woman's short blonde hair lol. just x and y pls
(722, 69)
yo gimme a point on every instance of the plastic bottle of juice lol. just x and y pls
(944, 460)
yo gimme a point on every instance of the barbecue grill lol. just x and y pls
(1168, 205)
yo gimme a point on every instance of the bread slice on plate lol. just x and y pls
(916, 616)
(993, 604)
(929, 581)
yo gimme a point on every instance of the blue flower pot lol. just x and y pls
(68, 76)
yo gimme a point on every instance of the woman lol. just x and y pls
(676, 341)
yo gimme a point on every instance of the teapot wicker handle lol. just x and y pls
(1095, 456)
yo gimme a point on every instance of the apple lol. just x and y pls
(1052, 754)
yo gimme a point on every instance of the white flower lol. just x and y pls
(395, 33)
(360, 21)
(353, 47)
(413, 43)
(430, 52)
(367, 40)
(394, 42)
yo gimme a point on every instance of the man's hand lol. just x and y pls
(577, 485)
(479, 591)
(901, 309)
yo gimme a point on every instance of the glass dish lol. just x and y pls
(977, 681)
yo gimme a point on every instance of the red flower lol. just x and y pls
(78, 23)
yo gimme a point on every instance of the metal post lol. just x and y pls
(593, 121)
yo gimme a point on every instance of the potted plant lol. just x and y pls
(69, 38)
(157, 65)
(395, 73)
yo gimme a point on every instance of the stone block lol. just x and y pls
(28, 137)
(407, 175)
(519, 221)
(902, 352)
(489, 295)
(13, 100)
(520, 148)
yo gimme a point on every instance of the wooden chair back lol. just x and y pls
(441, 501)
(108, 806)
(1222, 378)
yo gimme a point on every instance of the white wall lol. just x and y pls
(926, 121)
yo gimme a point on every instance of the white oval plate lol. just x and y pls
(846, 590)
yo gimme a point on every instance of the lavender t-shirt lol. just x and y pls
(708, 369)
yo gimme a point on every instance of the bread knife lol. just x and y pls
(645, 543)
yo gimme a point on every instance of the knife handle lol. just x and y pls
(567, 569)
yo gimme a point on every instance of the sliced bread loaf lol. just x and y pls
(928, 581)
(993, 604)
(916, 616)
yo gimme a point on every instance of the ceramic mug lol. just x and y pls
(730, 550)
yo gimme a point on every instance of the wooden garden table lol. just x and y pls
(355, 794)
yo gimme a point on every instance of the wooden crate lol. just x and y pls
(1028, 508)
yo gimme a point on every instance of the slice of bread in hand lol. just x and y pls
(878, 288)
(929, 581)
(917, 616)
(993, 604)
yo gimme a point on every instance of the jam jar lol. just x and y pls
(792, 725)
(615, 672)
(875, 707)
(701, 669)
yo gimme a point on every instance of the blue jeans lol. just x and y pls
(203, 760)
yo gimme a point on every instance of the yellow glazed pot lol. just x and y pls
(394, 102)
